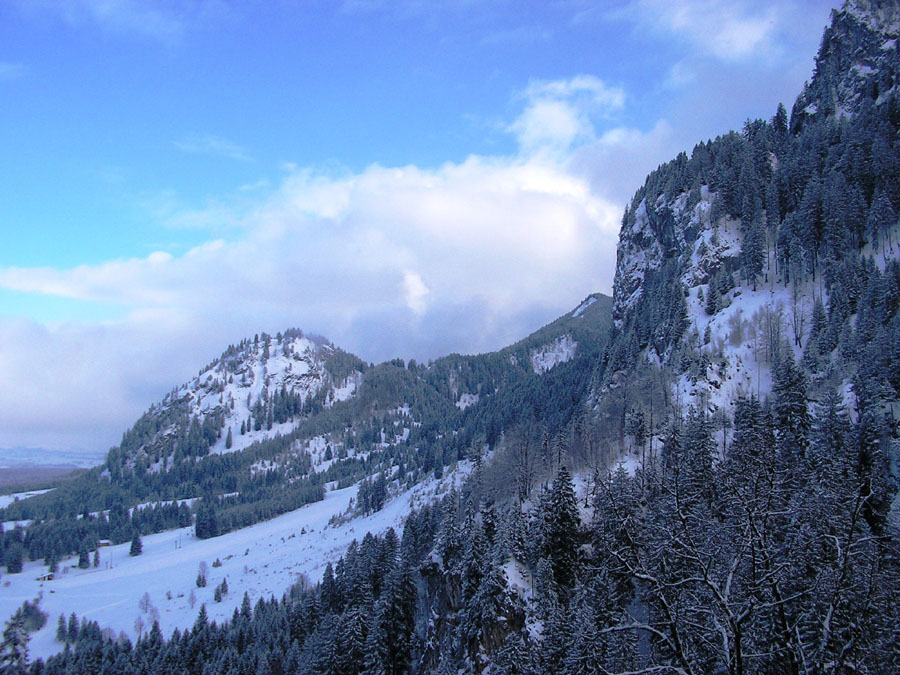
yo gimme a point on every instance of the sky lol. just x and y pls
(405, 177)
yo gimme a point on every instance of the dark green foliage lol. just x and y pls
(83, 562)
(560, 527)
(753, 252)
(14, 557)
(14, 647)
(137, 547)
(791, 411)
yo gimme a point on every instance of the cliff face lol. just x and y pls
(747, 248)
(857, 62)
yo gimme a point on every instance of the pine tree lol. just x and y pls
(697, 469)
(228, 440)
(207, 525)
(137, 547)
(753, 252)
(61, 628)
(14, 558)
(792, 420)
(881, 217)
(14, 648)
(712, 298)
(585, 654)
(352, 637)
(72, 628)
(83, 561)
(560, 528)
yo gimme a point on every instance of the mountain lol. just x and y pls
(697, 475)
(276, 421)
(781, 238)
(855, 64)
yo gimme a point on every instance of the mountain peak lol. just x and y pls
(879, 15)
(855, 64)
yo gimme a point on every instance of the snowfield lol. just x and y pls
(262, 560)
(6, 500)
(562, 349)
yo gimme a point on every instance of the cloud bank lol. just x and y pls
(403, 261)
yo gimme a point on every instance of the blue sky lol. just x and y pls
(407, 177)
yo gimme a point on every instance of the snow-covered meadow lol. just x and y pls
(262, 560)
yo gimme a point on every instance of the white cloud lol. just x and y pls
(388, 261)
(561, 113)
(730, 30)
(416, 291)
(749, 32)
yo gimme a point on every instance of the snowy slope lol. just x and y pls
(262, 560)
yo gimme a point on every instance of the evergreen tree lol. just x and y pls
(560, 524)
(792, 419)
(61, 628)
(207, 525)
(137, 546)
(72, 628)
(14, 557)
(880, 219)
(753, 252)
(83, 561)
(712, 298)
(14, 648)
(697, 470)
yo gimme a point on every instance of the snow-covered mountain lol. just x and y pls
(256, 390)
(856, 63)
(774, 238)
(749, 362)
(294, 446)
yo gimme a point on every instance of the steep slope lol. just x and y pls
(856, 63)
(252, 392)
(780, 240)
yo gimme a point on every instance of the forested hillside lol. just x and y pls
(750, 384)
(276, 420)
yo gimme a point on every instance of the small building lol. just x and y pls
(103, 542)
(46, 577)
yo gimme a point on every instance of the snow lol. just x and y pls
(518, 578)
(8, 525)
(630, 463)
(6, 500)
(233, 385)
(262, 560)
(583, 306)
(465, 400)
(544, 358)
(739, 365)
(347, 388)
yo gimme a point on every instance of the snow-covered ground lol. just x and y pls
(544, 358)
(6, 500)
(262, 560)
(583, 306)
(465, 400)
